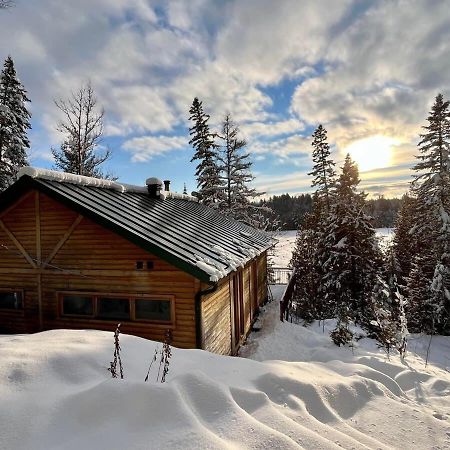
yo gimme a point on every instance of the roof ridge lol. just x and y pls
(64, 177)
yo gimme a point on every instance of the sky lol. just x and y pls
(367, 70)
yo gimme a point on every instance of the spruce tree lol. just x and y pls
(431, 187)
(323, 171)
(14, 123)
(82, 128)
(312, 294)
(382, 310)
(355, 257)
(207, 172)
(404, 245)
(306, 301)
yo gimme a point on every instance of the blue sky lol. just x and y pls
(367, 70)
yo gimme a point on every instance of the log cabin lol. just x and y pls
(84, 253)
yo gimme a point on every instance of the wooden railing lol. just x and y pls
(286, 299)
(279, 275)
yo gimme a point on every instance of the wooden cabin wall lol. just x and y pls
(261, 265)
(216, 318)
(92, 259)
(15, 271)
(220, 314)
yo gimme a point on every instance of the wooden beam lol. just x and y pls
(38, 228)
(15, 204)
(63, 240)
(37, 208)
(39, 292)
(164, 275)
(18, 245)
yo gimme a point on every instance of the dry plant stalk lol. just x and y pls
(117, 359)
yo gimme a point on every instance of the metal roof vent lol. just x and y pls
(154, 186)
(167, 185)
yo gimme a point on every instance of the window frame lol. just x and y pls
(132, 297)
(20, 311)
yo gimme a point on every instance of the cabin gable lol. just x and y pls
(79, 255)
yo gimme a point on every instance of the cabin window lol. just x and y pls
(118, 307)
(11, 300)
(113, 308)
(152, 309)
(78, 305)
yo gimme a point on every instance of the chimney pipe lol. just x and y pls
(167, 185)
(154, 186)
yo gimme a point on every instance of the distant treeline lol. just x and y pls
(292, 209)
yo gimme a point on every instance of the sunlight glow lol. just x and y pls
(372, 153)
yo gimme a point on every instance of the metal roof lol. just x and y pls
(189, 235)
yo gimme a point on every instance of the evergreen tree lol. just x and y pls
(404, 245)
(354, 260)
(207, 172)
(421, 311)
(431, 187)
(14, 123)
(306, 301)
(323, 170)
(310, 250)
(386, 320)
(83, 128)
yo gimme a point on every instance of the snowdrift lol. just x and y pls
(56, 393)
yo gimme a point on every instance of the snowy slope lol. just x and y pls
(56, 393)
(286, 242)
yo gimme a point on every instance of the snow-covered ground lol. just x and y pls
(286, 242)
(283, 249)
(292, 389)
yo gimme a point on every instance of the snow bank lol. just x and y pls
(56, 393)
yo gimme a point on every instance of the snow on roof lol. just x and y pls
(64, 177)
(71, 178)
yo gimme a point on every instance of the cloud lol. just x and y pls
(363, 69)
(381, 74)
(296, 145)
(148, 147)
(251, 130)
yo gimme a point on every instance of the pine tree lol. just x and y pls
(355, 257)
(207, 172)
(14, 123)
(384, 323)
(83, 128)
(306, 300)
(404, 244)
(310, 250)
(235, 174)
(323, 171)
(431, 187)
(421, 311)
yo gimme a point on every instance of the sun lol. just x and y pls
(372, 153)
